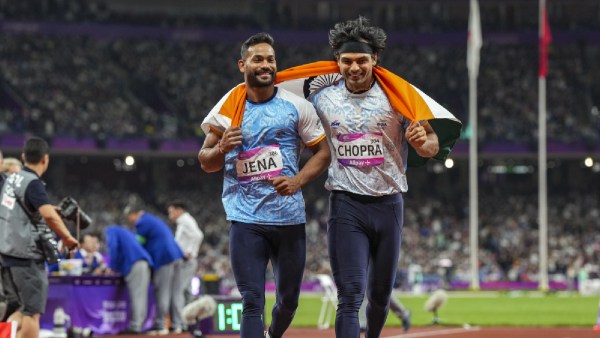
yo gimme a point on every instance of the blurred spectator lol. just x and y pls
(10, 165)
(93, 261)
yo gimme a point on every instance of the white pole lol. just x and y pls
(474, 43)
(542, 174)
(473, 186)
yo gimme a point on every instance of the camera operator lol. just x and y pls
(2, 297)
(24, 207)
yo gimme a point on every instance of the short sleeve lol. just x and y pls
(309, 125)
(36, 195)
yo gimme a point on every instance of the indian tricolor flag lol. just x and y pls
(302, 80)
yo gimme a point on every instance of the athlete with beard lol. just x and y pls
(259, 149)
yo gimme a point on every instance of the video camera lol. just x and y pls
(69, 210)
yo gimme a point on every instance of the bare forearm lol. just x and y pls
(313, 168)
(54, 221)
(211, 159)
(430, 148)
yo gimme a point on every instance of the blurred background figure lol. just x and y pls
(2, 297)
(132, 261)
(189, 237)
(93, 260)
(167, 256)
(396, 307)
(10, 165)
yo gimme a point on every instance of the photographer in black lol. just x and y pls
(25, 210)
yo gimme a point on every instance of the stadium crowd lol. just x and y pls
(162, 89)
(413, 16)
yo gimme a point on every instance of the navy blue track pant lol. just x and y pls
(251, 247)
(364, 235)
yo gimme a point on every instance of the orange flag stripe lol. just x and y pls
(401, 94)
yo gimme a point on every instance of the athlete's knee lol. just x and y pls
(379, 301)
(288, 306)
(350, 302)
(254, 303)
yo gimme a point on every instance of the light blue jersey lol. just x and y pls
(274, 134)
(366, 138)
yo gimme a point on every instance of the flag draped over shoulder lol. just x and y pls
(404, 98)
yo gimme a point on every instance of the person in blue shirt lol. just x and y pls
(262, 181)
(132, 261)
(160, 243)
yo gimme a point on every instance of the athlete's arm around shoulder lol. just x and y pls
(423, 139)
(314, 167)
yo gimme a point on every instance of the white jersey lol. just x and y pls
(366, 138)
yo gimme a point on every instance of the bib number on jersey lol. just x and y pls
(259, 164)
(359, 149)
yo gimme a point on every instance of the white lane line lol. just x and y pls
(437, 332)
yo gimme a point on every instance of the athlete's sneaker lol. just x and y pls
(129, 332)
(197, 333)
(158, 332)
(405, 318)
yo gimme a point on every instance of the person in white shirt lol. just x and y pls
(189, 237)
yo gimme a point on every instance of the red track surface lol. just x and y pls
(435, 332)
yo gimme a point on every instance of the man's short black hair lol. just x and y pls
(357, 30)
(90, 234)
(133, 207)
(35, 149)
(255, 40)
(178, 204)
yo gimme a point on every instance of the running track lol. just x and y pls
(434, 332)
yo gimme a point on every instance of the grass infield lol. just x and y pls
(478, 309)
